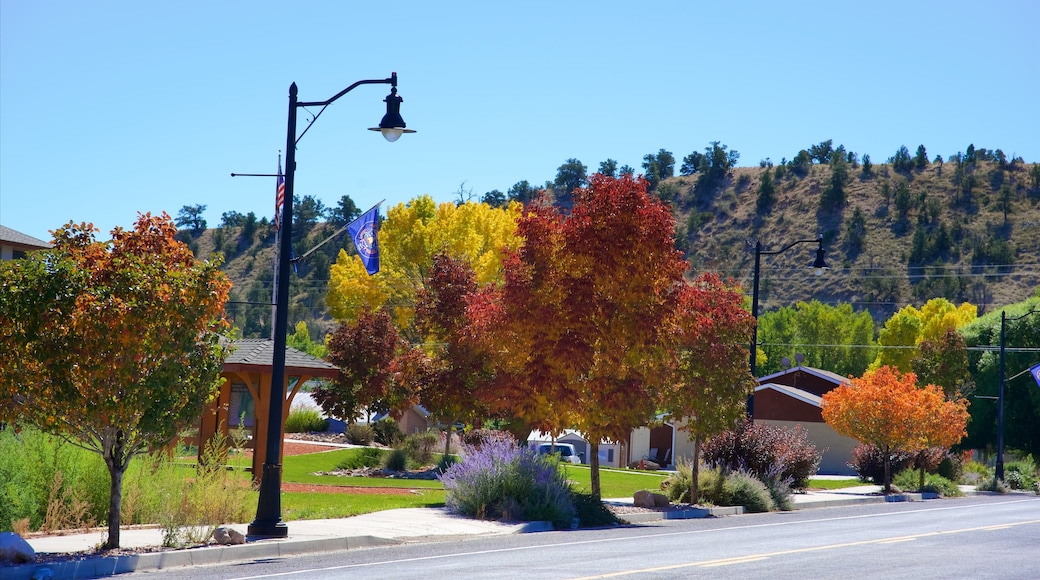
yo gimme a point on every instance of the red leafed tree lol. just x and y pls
(577, 329)
(114, 345)
(712, 381)
(363, 351)
(456, 369)
(887, 409)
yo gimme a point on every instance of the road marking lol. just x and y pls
(758, 557)
(625, 539)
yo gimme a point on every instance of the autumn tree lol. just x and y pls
(888, 410)
(457, 368)
(712, 381)
(905, 330)
(944, 361)
(111, 345)
(409, 237)
(577, 328)
(363, 350)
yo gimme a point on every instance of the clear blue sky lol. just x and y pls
(116, 107)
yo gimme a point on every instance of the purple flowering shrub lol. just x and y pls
(503, 481)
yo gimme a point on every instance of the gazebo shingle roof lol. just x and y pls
(257, 354)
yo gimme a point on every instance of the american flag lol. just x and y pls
(279, 197)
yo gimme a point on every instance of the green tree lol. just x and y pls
(901, 162)
(301, 340)
(608, 168)
(822, 153)
(344, 212)
(833, 198)
(906, 329)
(658, 167)
(190, 216)
(766, 192)
(867, 171)
(855, 233)
(231, 219)
(523, 192)
(832, 338)
(111, 345)
(307, 211)
(495, 198)
(921, 158)
(570, 176)
(692, 163)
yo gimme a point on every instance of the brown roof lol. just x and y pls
(257, 355)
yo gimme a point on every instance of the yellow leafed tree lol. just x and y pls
(910, 326)
(409, 237)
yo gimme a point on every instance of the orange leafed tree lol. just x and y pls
(887, 409)
(113, 345)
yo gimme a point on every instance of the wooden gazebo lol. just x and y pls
(248, 369)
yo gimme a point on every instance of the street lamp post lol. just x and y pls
(819, 265)
(1000, 392)
(268, 522)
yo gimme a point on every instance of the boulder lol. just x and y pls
(15, 550)
(228, 536)
(221, 536)
(236, 536)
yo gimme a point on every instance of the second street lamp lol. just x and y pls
(818, 265)
(268, 522)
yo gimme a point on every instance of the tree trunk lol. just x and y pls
(447, 445)
(695, 471)
(114, 455)
(594, 468)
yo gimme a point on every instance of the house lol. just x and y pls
(245, 392)
(15, 244)
(791, 398)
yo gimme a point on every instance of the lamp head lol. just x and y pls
(392, 126)
(819, 265)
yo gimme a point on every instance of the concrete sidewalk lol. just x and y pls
(367, 530)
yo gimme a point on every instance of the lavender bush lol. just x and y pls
(502, 481)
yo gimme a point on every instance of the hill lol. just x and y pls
(895, 234)
(964, 231)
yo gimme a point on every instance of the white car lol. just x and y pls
(564, 450)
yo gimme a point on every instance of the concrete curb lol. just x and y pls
(94, 567)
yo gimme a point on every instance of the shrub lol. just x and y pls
(396, 460)
(387, 432)
(1021, 474)
(951, 467)
(364, 457)
(360, 434)
(742, 488)
(420, 446)
(933, 483)
(869, 462)
(591, 512)
(477, 437)
(766, 451)
(992, 484)
(305, 420)
(973, 472)
(719, 486)
(501, 480)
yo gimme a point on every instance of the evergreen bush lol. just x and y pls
(360, 434)
(387, 432)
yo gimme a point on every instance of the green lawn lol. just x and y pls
(300, 469)
(615, 482)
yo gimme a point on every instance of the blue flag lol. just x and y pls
(363, 232)
(1035, 371)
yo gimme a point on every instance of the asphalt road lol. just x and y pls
(981, 537)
